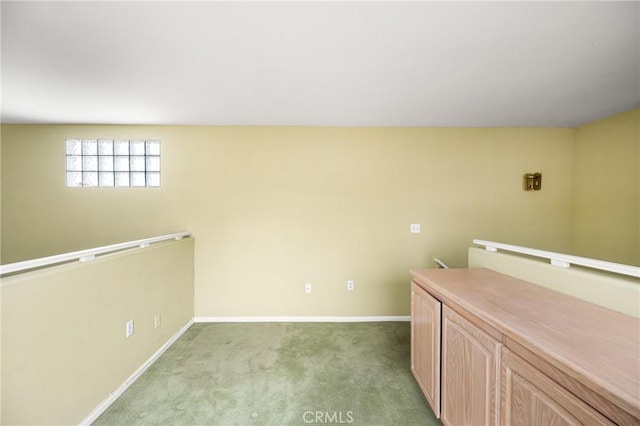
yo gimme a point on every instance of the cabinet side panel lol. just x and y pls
(425, 345)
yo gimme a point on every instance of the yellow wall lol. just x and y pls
(64, 348)
(275, 207)
(606, 198)
(0, 263)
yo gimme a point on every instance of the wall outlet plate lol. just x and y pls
(307, 288)
(414, 228)
(129, 327)
(350, 285)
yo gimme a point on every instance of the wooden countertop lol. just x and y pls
(597, 347)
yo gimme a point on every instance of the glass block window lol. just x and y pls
(113, 162)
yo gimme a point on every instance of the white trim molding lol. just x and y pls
(86, 255)
(563, 260)
(303, 319)
(123, 387)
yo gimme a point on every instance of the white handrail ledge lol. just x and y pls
(86, 255)
(563, 260)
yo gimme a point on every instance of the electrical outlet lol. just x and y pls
(129, 328)
(350, 285)
(414, 228)
(307, 288)
(157, 321)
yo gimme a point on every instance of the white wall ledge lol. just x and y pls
(563, 260)
(86, 255)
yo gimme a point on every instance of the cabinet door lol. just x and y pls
(470, 371)
(530, 398)
(425, 344)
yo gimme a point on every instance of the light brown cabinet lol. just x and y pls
(489, 349)
(462, 386)
(531, 398)
(425, 344)
(470, 368)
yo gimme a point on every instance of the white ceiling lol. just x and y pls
(320, 64)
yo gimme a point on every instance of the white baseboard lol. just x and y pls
(123, 387)
(303, 319)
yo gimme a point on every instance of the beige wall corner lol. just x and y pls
(606, 194)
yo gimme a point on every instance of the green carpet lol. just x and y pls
(279, 374)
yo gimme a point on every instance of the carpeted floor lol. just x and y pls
(279, 374)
